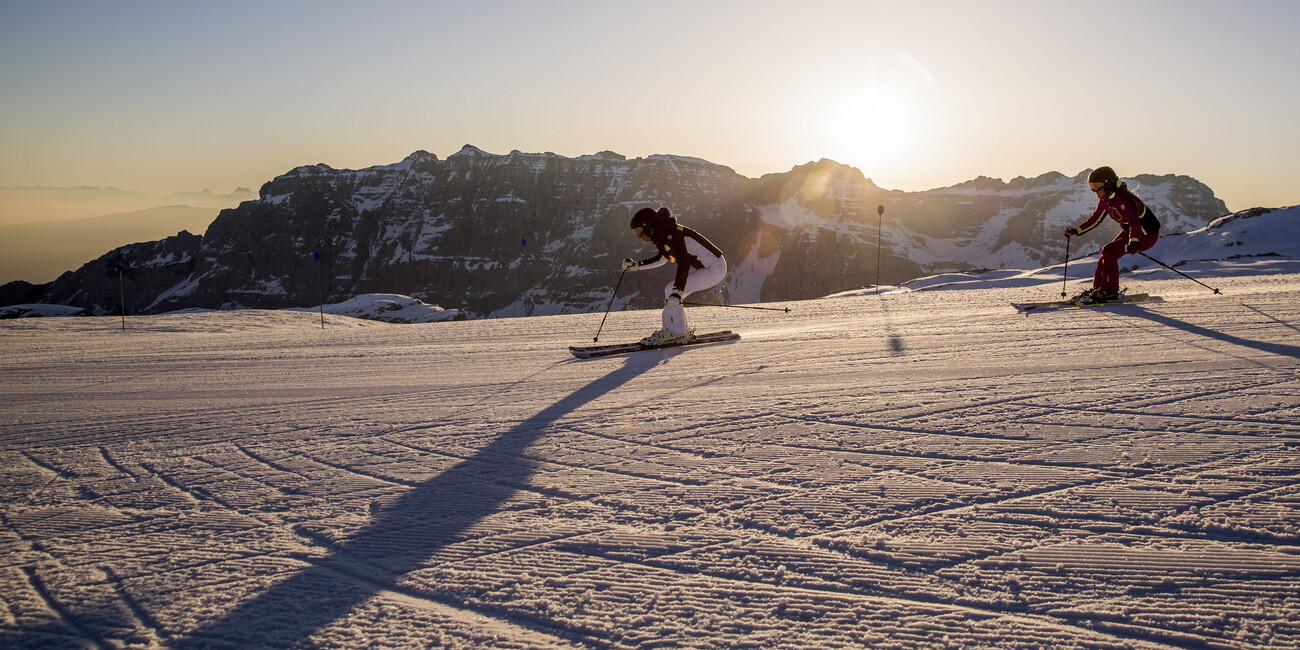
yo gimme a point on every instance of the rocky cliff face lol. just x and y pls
(470, 232)
(508, 235)
(130, 275)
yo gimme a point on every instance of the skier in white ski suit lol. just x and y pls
(700, 265)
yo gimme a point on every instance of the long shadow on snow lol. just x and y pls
(422, 521)
(1272, 348)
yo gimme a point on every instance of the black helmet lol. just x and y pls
(649, 219)
(1104, 175)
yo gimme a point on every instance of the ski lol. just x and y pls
(1027, 307)
(587, 352)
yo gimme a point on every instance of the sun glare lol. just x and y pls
(870, 129)
(876, 123)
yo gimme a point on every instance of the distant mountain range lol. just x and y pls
(42, 251)
(525, 233)
(37, 203)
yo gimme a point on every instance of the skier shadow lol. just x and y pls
(1281, 349)
(402, 537)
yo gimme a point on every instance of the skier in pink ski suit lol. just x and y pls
(1139, 230)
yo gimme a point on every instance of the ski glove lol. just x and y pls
(1071, 231)
(1134, 247)
(674, 301)
(629, 264)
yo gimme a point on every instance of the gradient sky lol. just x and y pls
(179, 95)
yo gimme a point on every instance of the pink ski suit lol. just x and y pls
(1140, 230)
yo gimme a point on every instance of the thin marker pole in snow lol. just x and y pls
(596, 338)
(320, 289)
(1180, 273)
(523, 243)
(880, 235)
(121, 293)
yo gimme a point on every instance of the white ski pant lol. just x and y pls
(699, 279)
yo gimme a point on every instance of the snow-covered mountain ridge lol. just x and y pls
(1251, 242)
(528, 233)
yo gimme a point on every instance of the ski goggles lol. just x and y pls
(1097, 187)
(642, 233)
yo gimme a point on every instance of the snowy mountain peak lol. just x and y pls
(420, 157)
(688, 160)
(469, 151)
(604, 155)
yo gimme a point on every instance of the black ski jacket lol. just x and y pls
(689, 249)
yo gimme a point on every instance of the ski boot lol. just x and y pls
(664, 337)
(1083, 297)
(1093, 296)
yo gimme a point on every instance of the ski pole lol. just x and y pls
(1065, 275)
(709, 304)
(596, 338)
(1180, 273)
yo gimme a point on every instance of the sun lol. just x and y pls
(871, 129)
(876, 119)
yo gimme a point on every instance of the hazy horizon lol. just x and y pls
(21, 205)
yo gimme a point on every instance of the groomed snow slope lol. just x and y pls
(914, 468)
